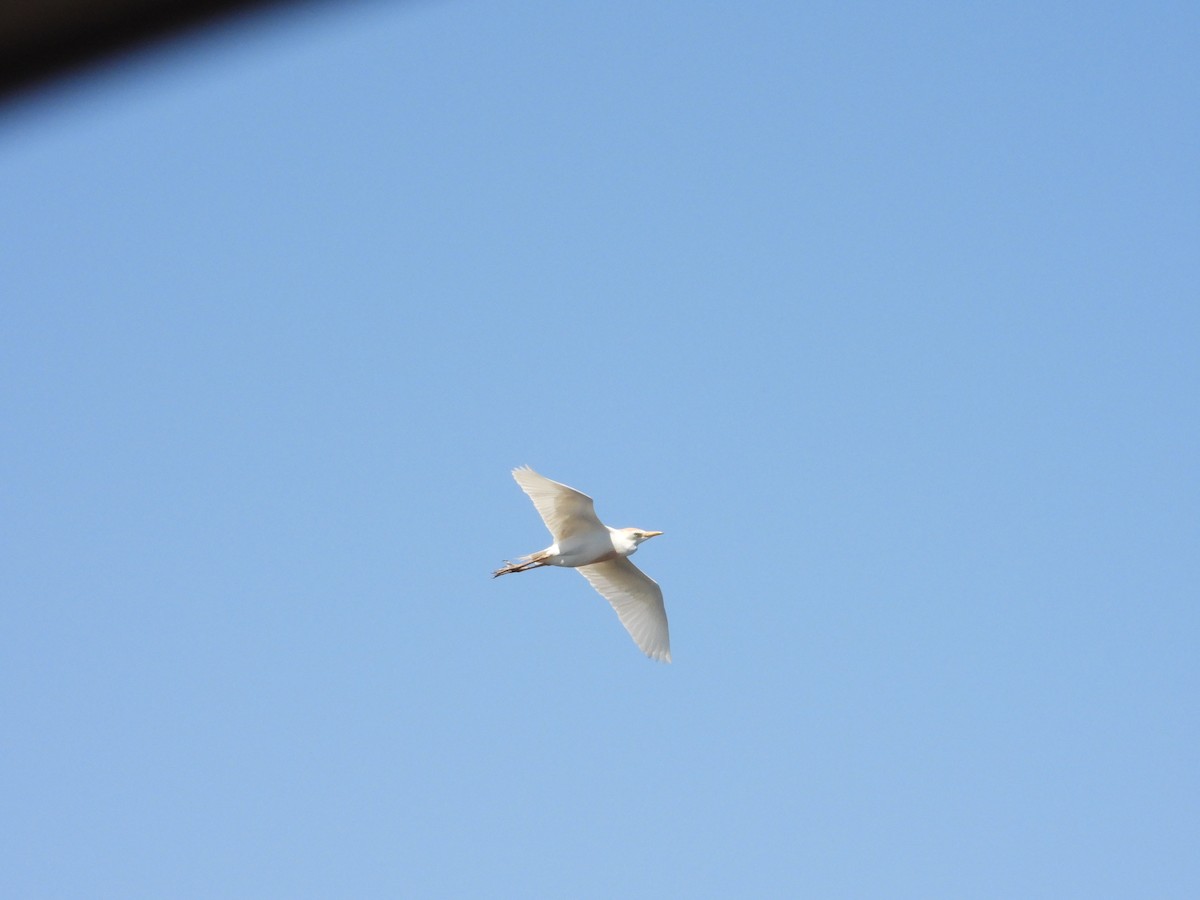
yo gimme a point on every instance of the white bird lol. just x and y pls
(601, 554)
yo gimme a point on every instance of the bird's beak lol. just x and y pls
(651, 534)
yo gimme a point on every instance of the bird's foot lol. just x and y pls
(516, 567)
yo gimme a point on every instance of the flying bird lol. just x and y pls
(601, 555)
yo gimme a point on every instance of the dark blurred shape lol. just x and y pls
(41, 40)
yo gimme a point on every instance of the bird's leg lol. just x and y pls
(516, 567)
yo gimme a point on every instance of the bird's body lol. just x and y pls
(601, 554)
(588, 548)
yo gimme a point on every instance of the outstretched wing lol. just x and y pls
(565, 511)
(638, 600)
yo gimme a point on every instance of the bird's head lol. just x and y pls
(639, 535)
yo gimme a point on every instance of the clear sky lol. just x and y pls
(888, 315)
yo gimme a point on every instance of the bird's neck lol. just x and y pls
(622, 541)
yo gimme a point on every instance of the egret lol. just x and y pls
(601, 555)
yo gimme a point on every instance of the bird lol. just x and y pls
(600, 554)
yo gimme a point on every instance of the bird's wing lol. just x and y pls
(565, 511)
(638, 600)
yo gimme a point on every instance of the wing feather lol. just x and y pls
(566, 511)
(638, 600)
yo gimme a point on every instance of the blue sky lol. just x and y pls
(885, 314)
